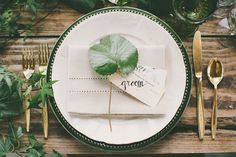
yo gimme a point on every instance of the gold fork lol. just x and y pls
(43, 60)
(28, 64)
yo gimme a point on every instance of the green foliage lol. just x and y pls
(10, 15)
(11, 144)
(10, 94)
(5, 146)
(35, 148)
(35, 79)
(113, 53)
(8, 22)
(11, 141)
(44, 90)
(14, 134)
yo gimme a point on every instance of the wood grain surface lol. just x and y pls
(183, 139)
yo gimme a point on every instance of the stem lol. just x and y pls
(109, 109)
(16, 143)
(19, 154)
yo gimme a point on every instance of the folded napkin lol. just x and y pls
(88, 92)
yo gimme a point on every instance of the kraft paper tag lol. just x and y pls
(145, 84)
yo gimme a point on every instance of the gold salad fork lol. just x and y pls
(43, 60)
(28, 64)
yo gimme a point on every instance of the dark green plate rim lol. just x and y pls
(136, 145)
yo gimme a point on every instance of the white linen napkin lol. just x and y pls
(88, 92)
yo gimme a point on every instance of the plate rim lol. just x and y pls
(100, 145)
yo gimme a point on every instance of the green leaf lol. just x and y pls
(34, 143)
(42, 94)
(36, 100)
(36, 77)
(35, 148)
(5, 146)
(14, 134)
(33, 5)
(113, 53)
(8, 81)
(34, 153)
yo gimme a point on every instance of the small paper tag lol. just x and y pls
(143, 84)
(28, 73)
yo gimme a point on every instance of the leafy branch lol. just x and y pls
(10, 143)
(38, 83)
(11, 106)
(12, 13)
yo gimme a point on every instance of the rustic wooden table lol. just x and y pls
(183, 139)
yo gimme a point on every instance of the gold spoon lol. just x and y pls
(215, 74)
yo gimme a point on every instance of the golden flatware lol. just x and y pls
(28, 63)
(197, 61)
(43, 60)
(215, 72)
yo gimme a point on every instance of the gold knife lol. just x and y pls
(197, 61)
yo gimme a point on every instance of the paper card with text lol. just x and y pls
(145, 84)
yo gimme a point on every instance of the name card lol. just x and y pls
(145, 84)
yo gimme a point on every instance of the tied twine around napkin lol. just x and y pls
(89, 93)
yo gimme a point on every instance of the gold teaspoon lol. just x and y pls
(215, 74)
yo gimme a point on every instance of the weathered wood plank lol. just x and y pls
(175, 142)
(63, 16)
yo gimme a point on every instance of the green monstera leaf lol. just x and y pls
(113, 53)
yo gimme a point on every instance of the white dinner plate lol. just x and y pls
(140, 27)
